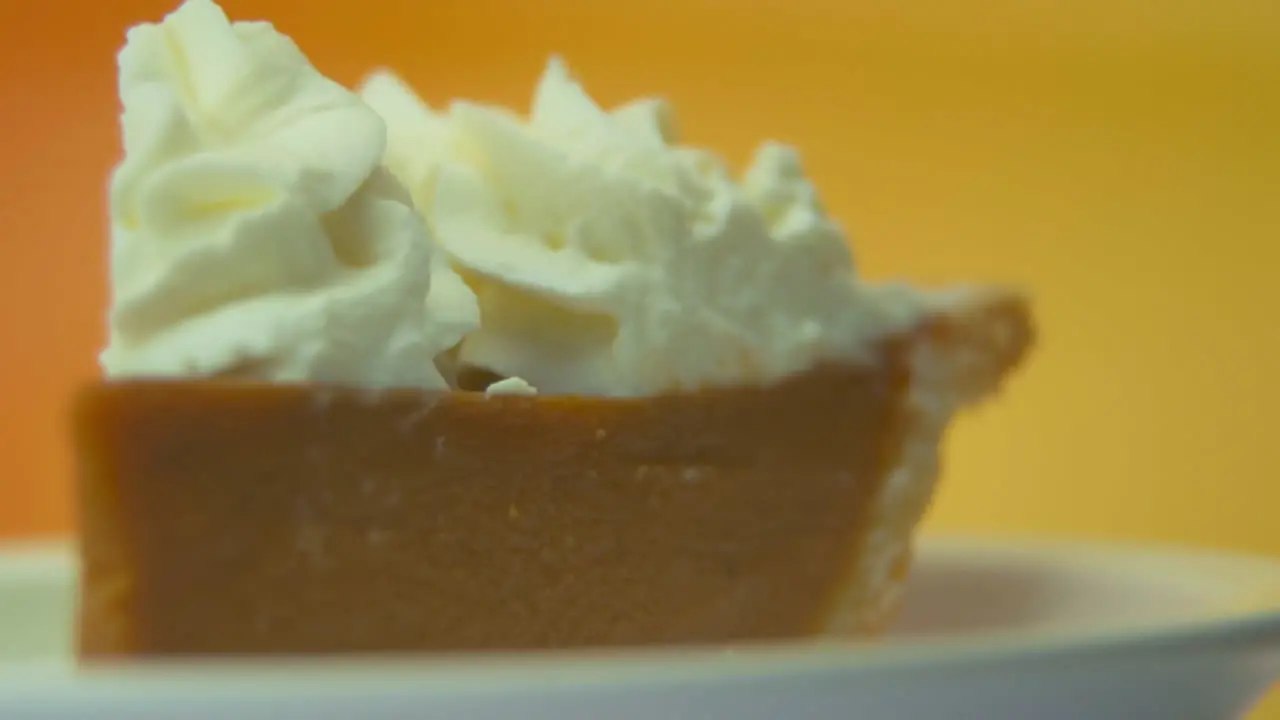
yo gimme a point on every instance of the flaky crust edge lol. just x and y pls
(967, 343)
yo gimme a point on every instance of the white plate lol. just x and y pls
(992, 630)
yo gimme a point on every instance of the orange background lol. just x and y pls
(1121, 158)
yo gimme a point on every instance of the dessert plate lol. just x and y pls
(991, 629)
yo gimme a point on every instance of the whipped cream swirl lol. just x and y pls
(609, 260)
(254, 231)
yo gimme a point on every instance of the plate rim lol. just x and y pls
(1251, 629)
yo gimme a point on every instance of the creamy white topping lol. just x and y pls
(609, 260)
(511, 386)
(254, 231)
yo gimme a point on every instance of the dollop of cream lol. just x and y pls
(254, 231)
(510, 386)
(610, 260)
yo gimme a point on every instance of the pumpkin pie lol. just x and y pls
(382, 378)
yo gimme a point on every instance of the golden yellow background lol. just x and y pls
(1121, 158)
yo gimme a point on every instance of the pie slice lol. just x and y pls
(225, 517)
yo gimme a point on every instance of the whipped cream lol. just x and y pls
(607, 259)
(254, 231)
(510, 386)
